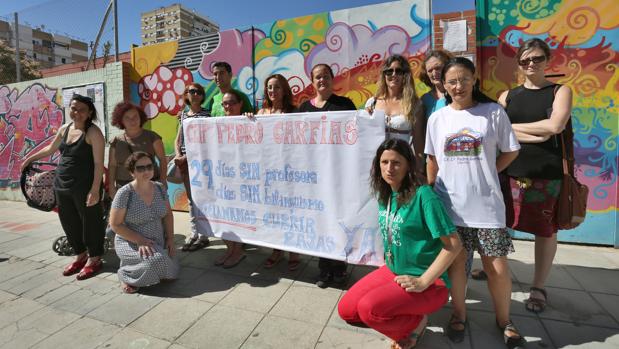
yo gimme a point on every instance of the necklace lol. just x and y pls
(389, 222)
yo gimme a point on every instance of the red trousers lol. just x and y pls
(380, 303)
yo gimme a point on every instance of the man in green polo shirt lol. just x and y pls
(222, 72)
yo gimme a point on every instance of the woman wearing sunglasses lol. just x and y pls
(539, 111)
(142, 220)
(396, 96)
(193, 96)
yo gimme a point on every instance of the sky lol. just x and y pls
(81, 19)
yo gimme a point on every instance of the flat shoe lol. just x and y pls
(89, 271)
(294, 265)
(232, 265)
(514, 342)
(479, 274)
(188, 244)
(74, 267)
(272, 261)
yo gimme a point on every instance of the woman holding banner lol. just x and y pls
(325, 100)
(278, 100)
(193, 96)
(420, 243)
(396, 96)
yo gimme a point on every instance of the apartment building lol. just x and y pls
(173, 23)
(46, 48)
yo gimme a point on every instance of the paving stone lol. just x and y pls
(596, 279)
(559, 276)
(83, 301)
(124, 309)
(569, 335)
(84, 333)
(170, 318)
(309, 304)
(34, 327)
(221, 327)
(278, 332)
(16, 309)
(12, 245)
(484, 332)
(478, 297)
(128, 338)
(210, 286)
(57, 294)
(610, 303)
(5, 296)
(33, 279)
(577, 307)
(339, 338)
(15, 267)
(32, 249)
(256, 295)
(6, 236)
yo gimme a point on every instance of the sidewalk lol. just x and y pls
(251, 307)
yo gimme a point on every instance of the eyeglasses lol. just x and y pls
(396, 71)
(227, 104)
(463, 81)
(535, 60)
(143, 168)
(195, 92)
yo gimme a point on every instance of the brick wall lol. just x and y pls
(438, 31)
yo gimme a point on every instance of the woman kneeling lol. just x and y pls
(142, 220)
(420, 243)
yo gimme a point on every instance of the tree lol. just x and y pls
(29, 68)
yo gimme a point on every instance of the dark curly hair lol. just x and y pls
(409, 185)
(123, 107)
(442, 55)
(135, 157)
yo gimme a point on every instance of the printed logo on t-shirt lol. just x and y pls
(395, 221)
(465, 143)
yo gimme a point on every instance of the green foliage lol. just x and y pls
(29, 68)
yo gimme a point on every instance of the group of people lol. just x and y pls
(455, 171)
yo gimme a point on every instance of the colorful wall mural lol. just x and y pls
(584, 38)
(28, 122)
(353, 42)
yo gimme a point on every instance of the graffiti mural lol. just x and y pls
(28, 122)
(585, 42)
(354, 42)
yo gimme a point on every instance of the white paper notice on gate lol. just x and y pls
(296, 182)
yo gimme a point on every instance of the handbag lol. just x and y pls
(37, 185)
(572, 201)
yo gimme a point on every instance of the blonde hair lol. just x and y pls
(410, 101)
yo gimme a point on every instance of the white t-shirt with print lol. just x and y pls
(466, 144)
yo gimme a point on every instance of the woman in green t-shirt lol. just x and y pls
(420, 243)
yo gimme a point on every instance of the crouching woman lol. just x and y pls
(420, 243)
(142, 219)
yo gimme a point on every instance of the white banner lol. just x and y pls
(295, 182)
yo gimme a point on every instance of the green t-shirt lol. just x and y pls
(216, 109)
(416, 228)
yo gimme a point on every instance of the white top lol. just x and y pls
(465, 144)
(397, 123)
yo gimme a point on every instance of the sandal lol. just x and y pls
(512, 342)
(188, 244)
(235, 263)
(89, 271)
(413, 339)
(198, 245)
(294, 264)
(536, 305)
(455, 335)
(479, 274)
(275, 258)
(74, 267)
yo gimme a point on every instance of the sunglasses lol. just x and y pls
(144, 168)
(526, 61)
(195, 92)
(396, 71)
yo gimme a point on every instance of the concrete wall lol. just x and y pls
(31, 113)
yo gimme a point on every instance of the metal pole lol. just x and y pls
(17, 58)
(94, 49)
(116, 29)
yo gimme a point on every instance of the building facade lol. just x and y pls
(46, 48)
(173, 23)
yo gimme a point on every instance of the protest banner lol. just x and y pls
(295, 182)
